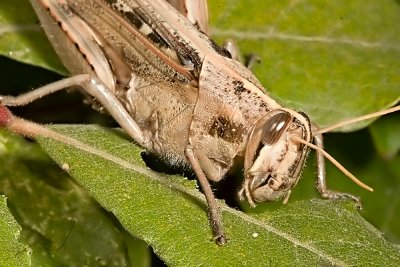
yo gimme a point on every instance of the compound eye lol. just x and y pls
(275, 127)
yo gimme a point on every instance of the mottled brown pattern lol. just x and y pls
(238, 88)
(225, 129)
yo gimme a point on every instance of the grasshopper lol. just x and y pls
(180, 95)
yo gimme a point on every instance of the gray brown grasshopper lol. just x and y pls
(180, 95)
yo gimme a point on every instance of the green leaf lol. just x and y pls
(170, 214)
(22, 39)
(324, 58)
(60, 222)
(385, 133)
(12, 252)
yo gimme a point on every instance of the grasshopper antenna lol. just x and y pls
(341, 124)
(334, 161)
(354, 120)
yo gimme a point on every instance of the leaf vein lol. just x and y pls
(272, 35)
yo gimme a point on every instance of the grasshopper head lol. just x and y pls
(273, 160)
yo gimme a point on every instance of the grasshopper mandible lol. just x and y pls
(180, 95)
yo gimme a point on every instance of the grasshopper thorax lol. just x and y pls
(273, 160)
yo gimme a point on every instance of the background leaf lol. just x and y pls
(323, 58)
(385, 134)
(21, 37)
(12, 252)
(61, 223)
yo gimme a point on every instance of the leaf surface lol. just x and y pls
(325, 59)
(12, 252)
(62, 224)
(170, 214)
(385, 133)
